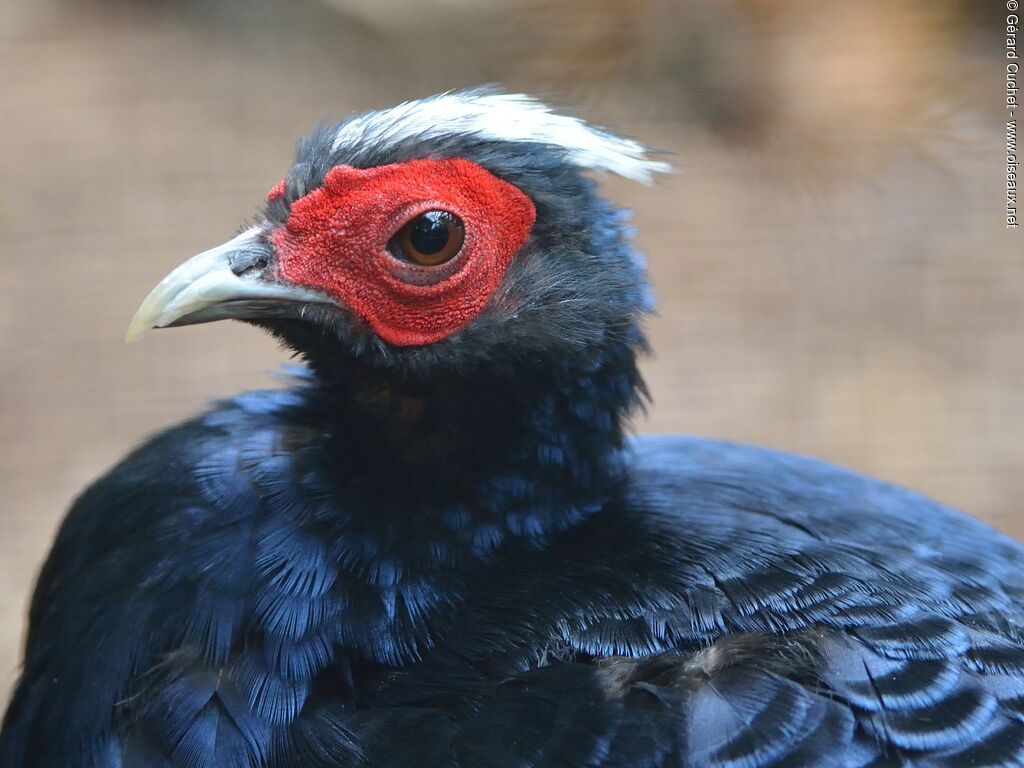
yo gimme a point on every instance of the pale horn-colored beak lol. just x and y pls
(229, 281)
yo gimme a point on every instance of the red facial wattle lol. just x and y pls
(335, 240)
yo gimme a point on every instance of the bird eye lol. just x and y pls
(431, 238)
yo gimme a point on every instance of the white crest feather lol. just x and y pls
(500, 116)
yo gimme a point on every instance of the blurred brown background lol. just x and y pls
(833, 269)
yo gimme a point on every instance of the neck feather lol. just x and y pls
(486, 460)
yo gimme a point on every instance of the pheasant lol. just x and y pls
(439, 547)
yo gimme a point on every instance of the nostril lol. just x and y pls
(248, 260)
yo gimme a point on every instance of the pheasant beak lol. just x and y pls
(233, 280)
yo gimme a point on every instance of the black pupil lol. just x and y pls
(430, 233)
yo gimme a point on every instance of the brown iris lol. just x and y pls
(431, 238)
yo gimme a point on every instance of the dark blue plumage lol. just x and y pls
(450, 556)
